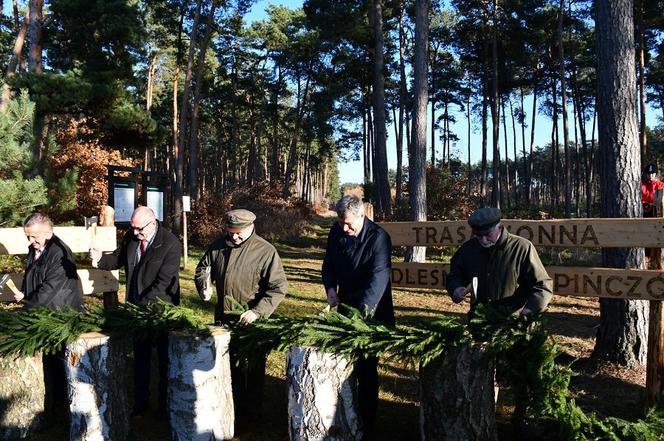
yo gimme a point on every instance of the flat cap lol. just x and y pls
(239, 218)
(484, 219)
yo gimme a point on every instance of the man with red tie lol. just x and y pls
(150, 255)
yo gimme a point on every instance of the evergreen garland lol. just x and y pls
(41, 329)
(526, 354)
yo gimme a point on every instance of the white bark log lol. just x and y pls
(97, 388)
(21, 396)
(199, 387)
(322, 397)
(457, 396)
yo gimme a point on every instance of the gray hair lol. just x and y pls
(350, 204)
(38, 218)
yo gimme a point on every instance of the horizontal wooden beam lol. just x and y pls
(93, 281)
(573, 281)
(13, 240)
(567, 233)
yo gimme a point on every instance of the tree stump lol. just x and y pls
(322, 397)
(96, 367)
(457, 396)
(21, 396)
(199, 387)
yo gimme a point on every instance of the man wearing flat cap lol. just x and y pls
(509, 271)
(247, 269)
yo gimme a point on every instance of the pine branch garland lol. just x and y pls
(526, 354)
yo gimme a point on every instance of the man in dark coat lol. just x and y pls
(150, 255)
(50, 278)
(356, 273)
(245, 269)
(50, 281)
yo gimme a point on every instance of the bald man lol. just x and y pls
(150, 255)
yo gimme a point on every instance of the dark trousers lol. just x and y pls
(366, 371)
(55, 381)
(142, 364)
(248, 383)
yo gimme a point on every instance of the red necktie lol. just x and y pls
(144, 246)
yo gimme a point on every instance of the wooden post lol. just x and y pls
(655, 364)
(107, 219)
(96, 366)
(369, 210)
(322, 396)
(21, 396)
(457, 396)
(200, 396)
(184, 239)
(186, 206)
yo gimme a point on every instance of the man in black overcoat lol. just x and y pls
(150, 255)
(50, 281)
(356, 273)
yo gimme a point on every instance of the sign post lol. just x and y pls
(186, 207)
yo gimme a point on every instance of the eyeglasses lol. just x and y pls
(140, 230)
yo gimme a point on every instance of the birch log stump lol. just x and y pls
(457, 396)
(200, 393)
(322, 397)
(96, 366)
(21, 396)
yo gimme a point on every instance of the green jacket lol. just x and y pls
(250, 273)
(510, 274)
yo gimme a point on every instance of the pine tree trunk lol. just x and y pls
(457, 396)
(623, 331)
(21, 396)
(322, 397)
(417, 166)
(199, 387)
(496, 191)
(95, 367)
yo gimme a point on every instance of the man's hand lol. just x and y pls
(206, 294)
(459, 294)
(95, 256)
(332, 297)
(18, 296)
(248, 317)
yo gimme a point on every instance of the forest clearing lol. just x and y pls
(604, 388)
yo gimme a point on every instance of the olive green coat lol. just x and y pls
(253, 275)
(510, 274)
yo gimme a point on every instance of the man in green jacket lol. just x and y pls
(509, 271)
(247, 269)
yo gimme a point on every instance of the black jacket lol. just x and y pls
(158, 272)
(360, 268)
(52, 280)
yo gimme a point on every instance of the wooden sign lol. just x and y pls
(93, 281)
(573, 281)
(13, 240)
(567, 233)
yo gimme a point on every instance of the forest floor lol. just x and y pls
(601, 388)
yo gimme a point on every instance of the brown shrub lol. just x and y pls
(79, 149)
(276, 218)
